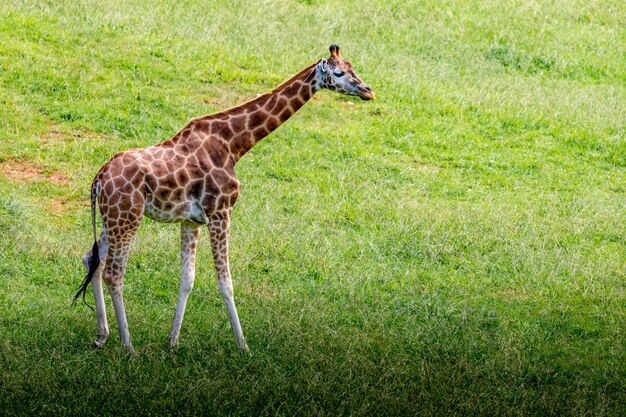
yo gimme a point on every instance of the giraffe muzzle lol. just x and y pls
(367, 94)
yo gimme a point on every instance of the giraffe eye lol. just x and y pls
(339, 73)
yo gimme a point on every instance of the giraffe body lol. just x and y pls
(191, 179)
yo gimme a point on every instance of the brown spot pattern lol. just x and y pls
(189, 178)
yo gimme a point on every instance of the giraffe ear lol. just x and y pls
(323, 66)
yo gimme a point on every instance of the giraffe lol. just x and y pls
(190, 179)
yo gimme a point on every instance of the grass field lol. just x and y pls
(456, 247)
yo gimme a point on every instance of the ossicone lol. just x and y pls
(334, 51)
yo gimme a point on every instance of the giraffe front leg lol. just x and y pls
(219, 226)
(189, 233)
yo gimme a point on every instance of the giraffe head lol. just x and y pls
(336, 74)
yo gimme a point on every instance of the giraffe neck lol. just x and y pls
(243, 126)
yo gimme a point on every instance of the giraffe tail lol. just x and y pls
(94, 259)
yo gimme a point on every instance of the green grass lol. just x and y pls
(457, 247)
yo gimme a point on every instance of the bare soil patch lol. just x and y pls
(63, 206)
(26, 171)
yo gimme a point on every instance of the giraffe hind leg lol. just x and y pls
(121, 234)
(96, 284)
(189, 233)
(114, 270)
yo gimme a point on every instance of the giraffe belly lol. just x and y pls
(173, 213)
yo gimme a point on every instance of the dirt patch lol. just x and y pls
(57, 134)
(63, 206)
(25, 171)
(53, 135)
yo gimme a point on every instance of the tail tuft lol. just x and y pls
(94, 259)
(94, 262)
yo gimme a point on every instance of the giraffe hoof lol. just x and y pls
(97, 344)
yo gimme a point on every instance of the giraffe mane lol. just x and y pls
(260, 98)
